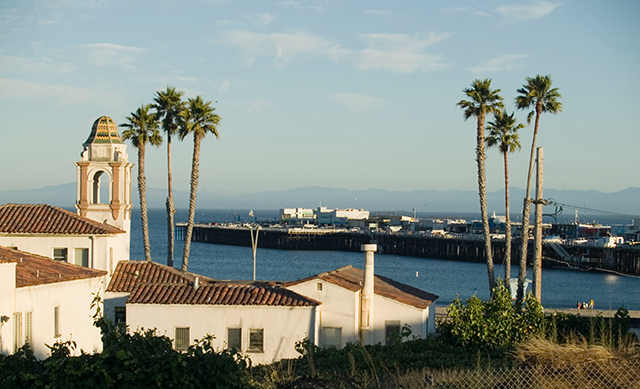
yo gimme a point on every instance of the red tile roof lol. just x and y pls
(47, 219)
(130, 273)
(33, 269)
(218, 293)
(152, 283)
(351, 278)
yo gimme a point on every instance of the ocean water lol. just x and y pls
(560, 288)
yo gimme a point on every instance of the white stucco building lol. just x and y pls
(43, 301)
(261, 319)
(264, 320)
(64, 258)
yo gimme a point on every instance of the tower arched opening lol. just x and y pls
(101, 191)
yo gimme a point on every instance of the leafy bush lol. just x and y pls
(139, 360)
(494, 324)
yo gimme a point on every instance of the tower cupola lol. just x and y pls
(104, 176)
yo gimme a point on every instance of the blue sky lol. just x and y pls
(348, 94)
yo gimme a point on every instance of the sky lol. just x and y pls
(344, 94)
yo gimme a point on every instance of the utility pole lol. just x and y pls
(254, 246)
(537, 251)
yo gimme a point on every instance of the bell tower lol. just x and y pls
(104, 177)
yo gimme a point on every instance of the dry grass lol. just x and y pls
(580, 365)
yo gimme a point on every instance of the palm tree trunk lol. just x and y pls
(170, 207)
(507, 227)
(480, 158)
(195, 166)
(142, 190)
(526, 213)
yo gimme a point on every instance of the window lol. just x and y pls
(81, 257)
(56, 322)
(391, 331)
(121, 314)
(17, 331)
(28, 328)
(234, 338)
(60, 254)
(319, 286)
(182, 338)
(332, 337)
(256, 340)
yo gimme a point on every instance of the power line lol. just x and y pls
(553, 202)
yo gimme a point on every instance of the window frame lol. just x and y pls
(56, 322)
(256, 345)
(180, 344)
(18, 340)
(389, 326)
(237, 346)
(338, 331)
(82, 258)
(64, 255)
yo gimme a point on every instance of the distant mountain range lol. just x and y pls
(626, 201)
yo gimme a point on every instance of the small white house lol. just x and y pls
(260, 319)
(43, 301)
(264, 320)
(360, 306)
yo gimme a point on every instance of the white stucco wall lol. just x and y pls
(7, 305)
(283, 326)
(100, 247)
(75, 322)
(340, 307)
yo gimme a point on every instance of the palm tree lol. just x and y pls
(169, 104)
(142, 129)
(199, 119)
(503, 134)
(537, 94)
(482, 100)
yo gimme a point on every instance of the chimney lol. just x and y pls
(196, 283)
(366, 296)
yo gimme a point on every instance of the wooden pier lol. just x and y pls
(623, 260)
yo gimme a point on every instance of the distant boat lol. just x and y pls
(513, 287)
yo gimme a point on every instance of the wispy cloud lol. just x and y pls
(355, 103)
(35, 65)
(283, 47)
(400, 53)
(302, 5)
(394, 52)
(505, 62)
(398, 61)
(224, 85)
(259, 20)
(109, 54)
(62, 94)
(403, 42)
(257, 106)
(519, 12)
(378, 12)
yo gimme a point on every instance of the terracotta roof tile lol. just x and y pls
(351, 278)
(33, 269)
(130, 273)
(47, 219)
(218, 293)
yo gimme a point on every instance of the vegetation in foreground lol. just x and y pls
(479, 339)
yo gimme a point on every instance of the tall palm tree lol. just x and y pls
(169, 105)
(199, 119)
(482, 100)
(142, 129)
(503, 134)
(538, 95)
